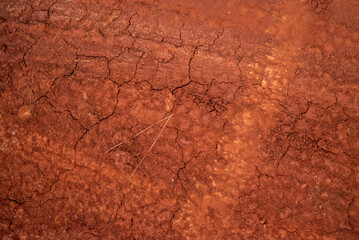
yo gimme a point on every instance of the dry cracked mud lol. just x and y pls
(263, 143)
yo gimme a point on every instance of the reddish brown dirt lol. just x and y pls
(264, 143)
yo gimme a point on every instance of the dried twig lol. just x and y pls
(153, 144)
(144, 130)
(55, 37)
(126, 56)
(141, 168)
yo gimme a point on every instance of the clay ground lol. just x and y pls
(263, 143)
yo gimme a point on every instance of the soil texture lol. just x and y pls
(263, 142)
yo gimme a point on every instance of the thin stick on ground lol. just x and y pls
(126, 56)
(141, 168)
(144, 130)
(153, 144)
(55, 37)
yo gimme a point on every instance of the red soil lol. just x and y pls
(263, 143)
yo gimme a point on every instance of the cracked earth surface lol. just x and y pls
(263, 143)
